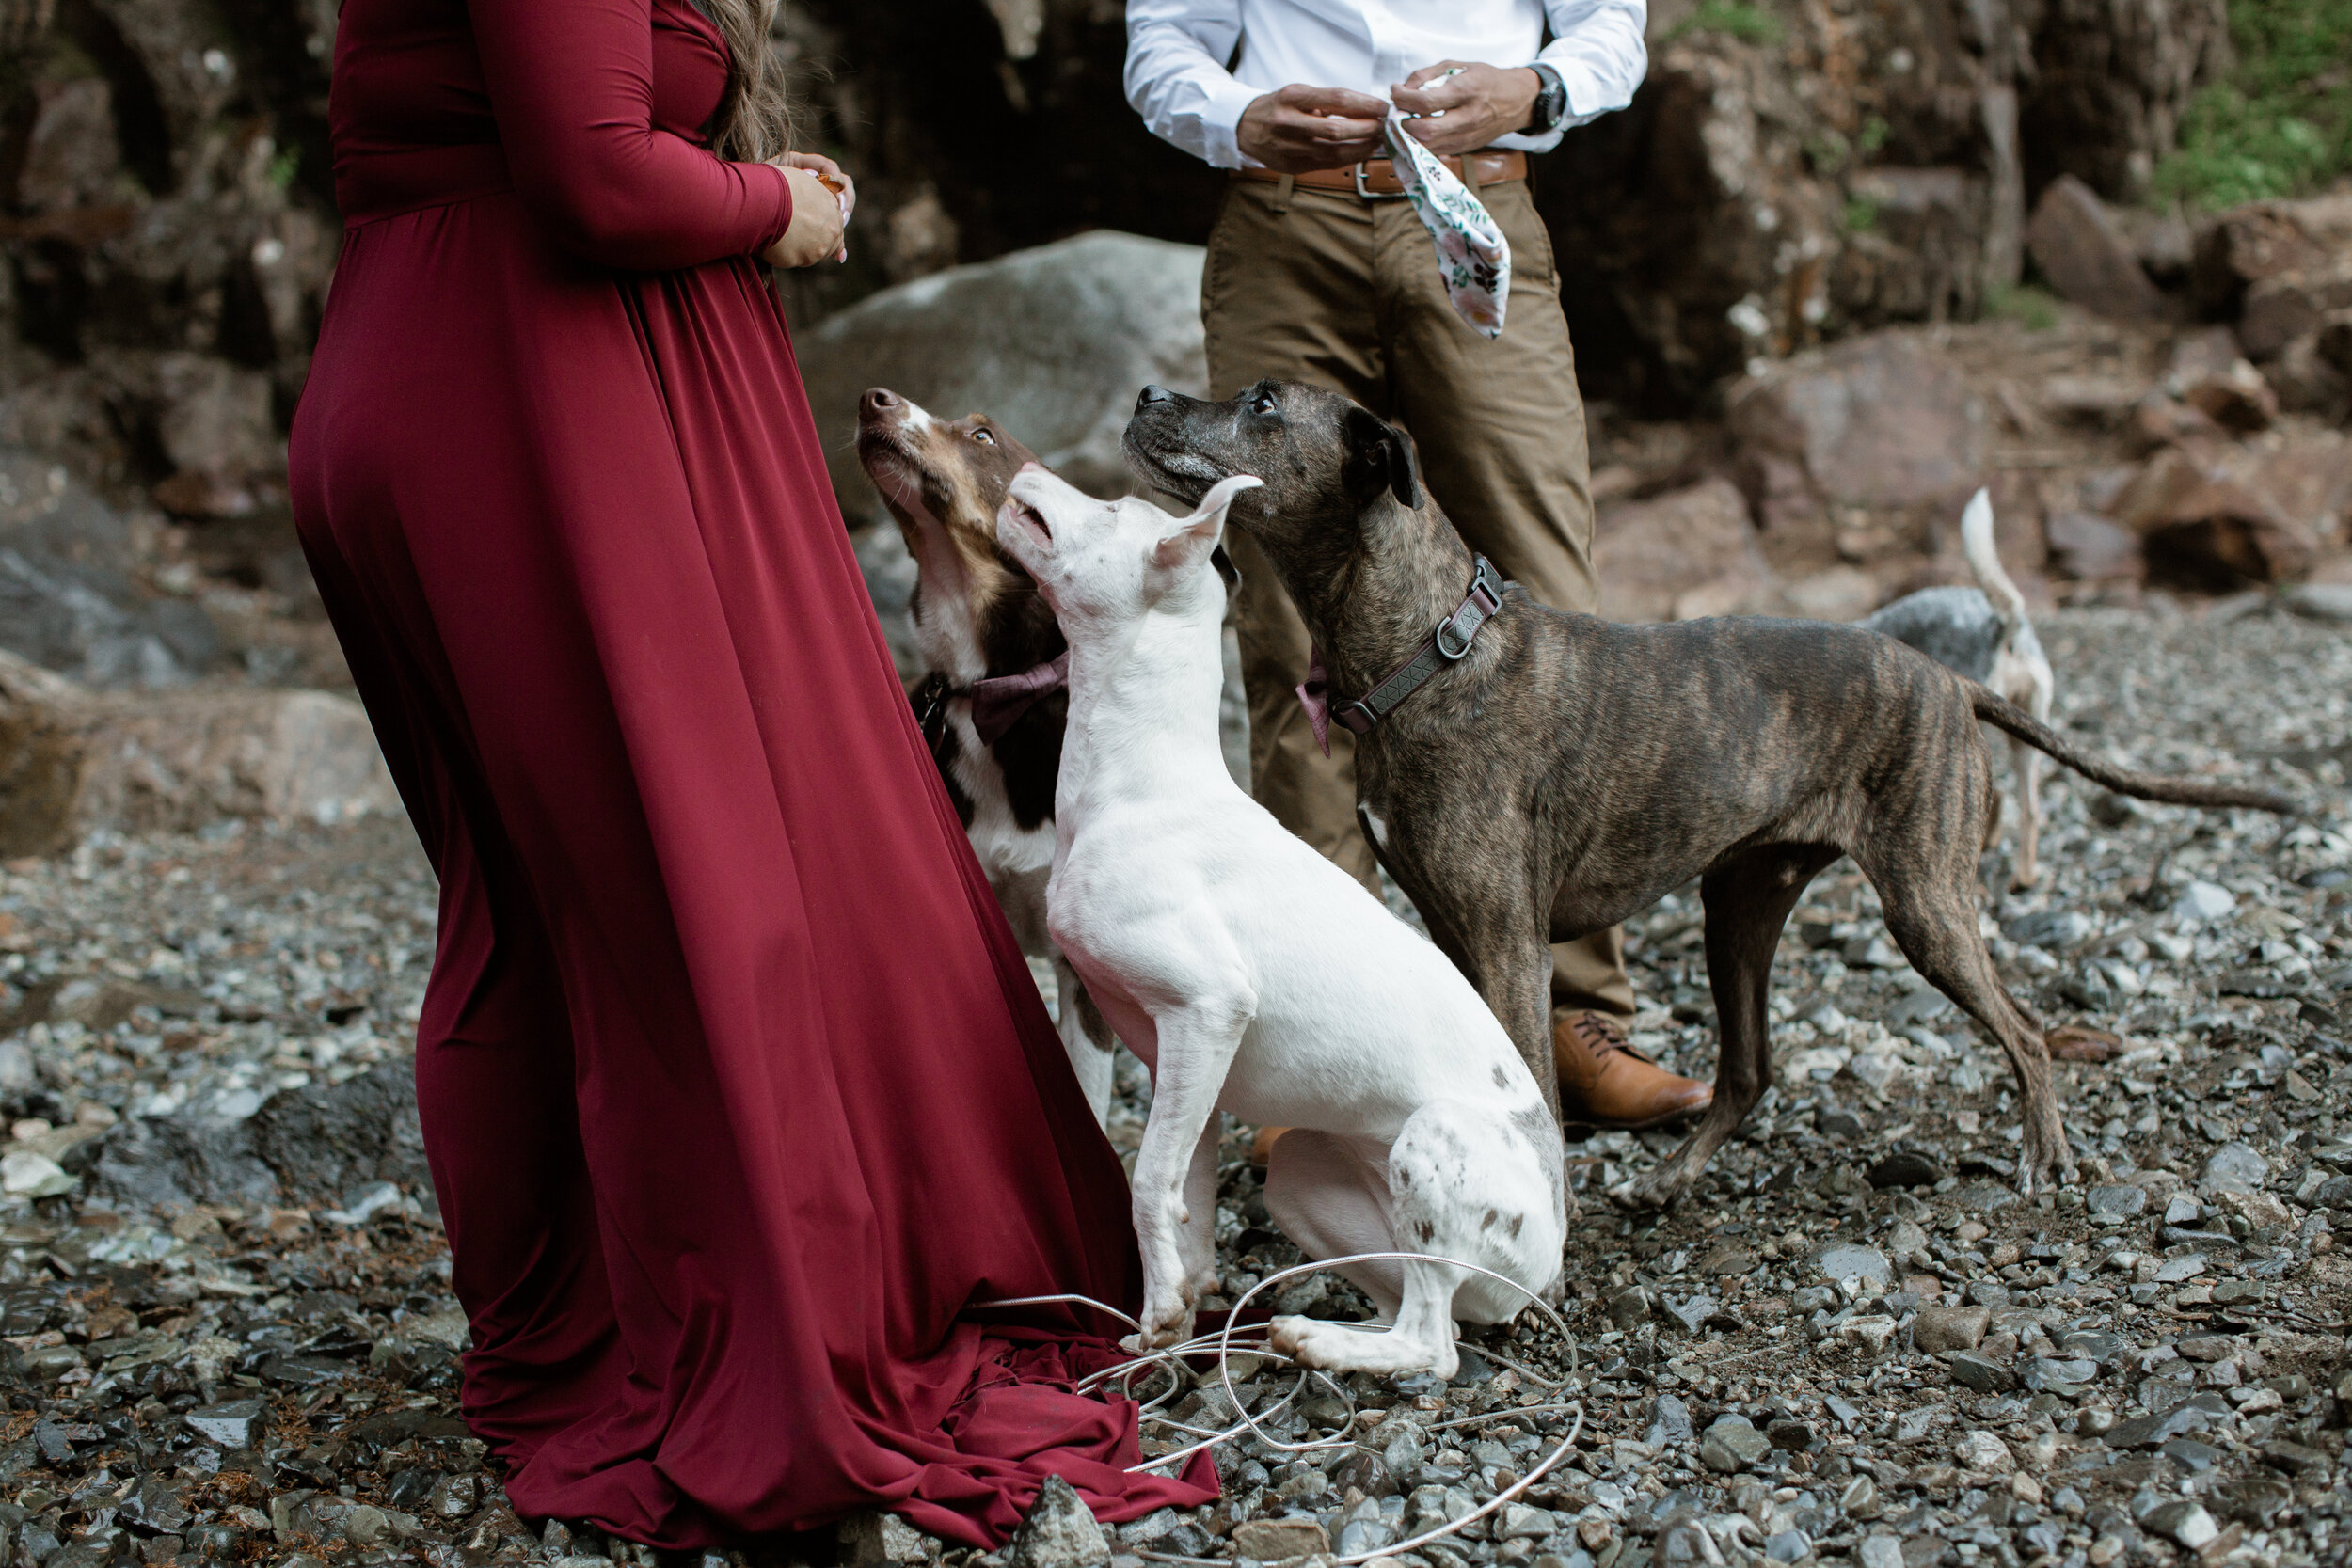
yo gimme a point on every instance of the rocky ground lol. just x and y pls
(229, 1334)
(229, 1331)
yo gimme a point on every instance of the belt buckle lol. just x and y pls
(1358, 171)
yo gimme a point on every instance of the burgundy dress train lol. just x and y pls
(736, 1092)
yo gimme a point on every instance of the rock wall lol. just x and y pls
(1793, 170)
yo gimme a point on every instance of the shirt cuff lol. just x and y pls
(1223, 102)
(1589, 97)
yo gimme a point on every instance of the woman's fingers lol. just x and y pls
(818, 223)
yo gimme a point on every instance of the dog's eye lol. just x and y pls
(984, 437)
(1262, 403)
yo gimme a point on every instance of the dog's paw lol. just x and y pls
(1651, 1193)
(1168, 1324)
(1289, 1335)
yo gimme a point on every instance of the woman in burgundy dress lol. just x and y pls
(736, 1092)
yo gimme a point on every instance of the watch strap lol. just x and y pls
(1552, 101)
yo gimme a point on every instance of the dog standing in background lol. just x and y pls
(1982, 633)
(995, 702)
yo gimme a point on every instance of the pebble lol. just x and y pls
(2185, 1521)
(2234, 1168)
(1982, 1374)
(1732, 1444)
(2202, 902)
(1905, 1168)
(2115, 1204)
(1059, 1532)
(1841, 1262)
(1669, 1422)
(1937, 1329)
(1983, 1451)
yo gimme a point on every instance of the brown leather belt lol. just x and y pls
(1375, 178)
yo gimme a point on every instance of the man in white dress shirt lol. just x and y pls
(1318, 271)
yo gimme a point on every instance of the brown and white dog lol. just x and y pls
(994, 701)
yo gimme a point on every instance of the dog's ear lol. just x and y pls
(1195, 536)
(1226, 569)
(1379, 454)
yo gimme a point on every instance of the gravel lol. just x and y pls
(226, 1331)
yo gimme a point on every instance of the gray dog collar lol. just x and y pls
(1447, 642)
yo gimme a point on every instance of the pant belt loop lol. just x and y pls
(1282, 189)
(1469, 173)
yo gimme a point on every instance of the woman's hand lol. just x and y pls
(823, 199)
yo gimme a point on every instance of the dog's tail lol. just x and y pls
(2002, 714)
(1976, 543)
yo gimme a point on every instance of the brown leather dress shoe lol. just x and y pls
(1604, 1082)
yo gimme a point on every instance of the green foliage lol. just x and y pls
(2026, 305)
(2281, 124)
(283, 167)
(1874, 134)
(1861, 214)
(1735, 18)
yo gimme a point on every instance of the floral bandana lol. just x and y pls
(1472, 256)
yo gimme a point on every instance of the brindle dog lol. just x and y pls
(1565, 772)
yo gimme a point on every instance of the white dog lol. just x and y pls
(1252, 975)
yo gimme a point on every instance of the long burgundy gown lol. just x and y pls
(736, 1089)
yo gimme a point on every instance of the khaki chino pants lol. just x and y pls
(1343, 291)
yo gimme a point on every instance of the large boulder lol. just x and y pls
(1055, 342)
(2085, 255)
(67, 600)
(1680, 556)
(2207, 527)
(2286, 306)
(2260, 240)
(73, 761)
(1882, 421)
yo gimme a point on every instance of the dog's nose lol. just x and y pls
(1153, 395)
(879, 399)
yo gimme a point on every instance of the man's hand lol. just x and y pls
(1301, 129)
(1480, 102)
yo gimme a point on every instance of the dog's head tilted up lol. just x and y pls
(973, 612)
(1325, 461)
(1102, 563)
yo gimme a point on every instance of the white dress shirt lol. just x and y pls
(1177, 51)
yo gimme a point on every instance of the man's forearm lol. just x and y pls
(1176, 79)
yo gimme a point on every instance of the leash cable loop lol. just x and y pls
(1170, 1358)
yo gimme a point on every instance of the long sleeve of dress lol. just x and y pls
(571, 83)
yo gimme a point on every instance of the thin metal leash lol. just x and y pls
(1171, 1358)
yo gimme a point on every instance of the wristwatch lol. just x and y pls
(1552, 102)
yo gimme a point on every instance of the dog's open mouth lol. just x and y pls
(1030, 518)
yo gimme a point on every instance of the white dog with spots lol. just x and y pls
(1254, 976)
